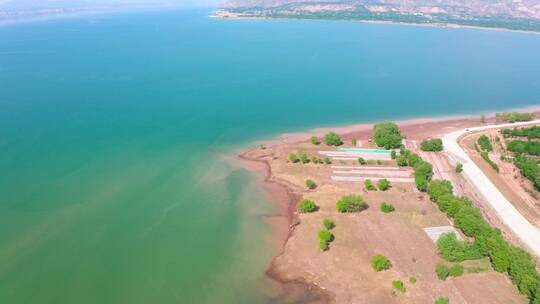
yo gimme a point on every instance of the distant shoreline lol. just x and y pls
(439, 25)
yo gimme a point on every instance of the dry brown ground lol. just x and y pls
(345, 269)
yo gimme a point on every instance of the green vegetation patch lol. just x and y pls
(310, 184)
(442, 300)
(491, 163)
(369, 186)
(332, 139)
(387, 135)
(351, 203)
(398, 284)
(454, 250)
(383, 184)
(306, 206)
(514, 116)
(532, 132)
(432, 145)
(527, 147)
(484, 143)
(328, 224)
(379, 262)
(387, 208)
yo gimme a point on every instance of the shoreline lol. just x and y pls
(416, 24)
(286, 203)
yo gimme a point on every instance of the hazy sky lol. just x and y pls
(38, 4)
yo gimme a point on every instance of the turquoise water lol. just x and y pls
(366, 150)
(115, 132)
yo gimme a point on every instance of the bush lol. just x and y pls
(402, 161)
(528, 147)
(514, 116)
(454, 250)
(529, 168)
(456, 270)
(398, 284)
(327, 160)
(393, 154)
(532, 132)
(383, 184)
(306, 206)
(326, 235)
(323, 245)
(442, 271)
(442, 300)
(459, 167)
(485, 143)
(387, 208)
(433, 145)
(293, 158)
(493, 165)
(351, 203)
(379, 262)
(304, 159)
(368, 184)
(328, 224)
(387, 135)
(315, 140)
(310, 184)
(412, 280)
(361, 161)
(332, 139)
(353, 141)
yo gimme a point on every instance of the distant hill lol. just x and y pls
(509, 14)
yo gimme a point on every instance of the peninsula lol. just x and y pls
(393, 213)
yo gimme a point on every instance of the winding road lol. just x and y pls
(527, 232)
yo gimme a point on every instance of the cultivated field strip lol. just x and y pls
(375, 178)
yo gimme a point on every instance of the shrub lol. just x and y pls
(314, 159)
(293, 158)
(387, 135)
(393, 154)
(326, 235)
(379, 262)
(332, 139)
(459, 167)
(442, 271)
(328, 224)
(433, 145)
(361, 161)
(514, 116)
(454, 250)
(456, 270)
(529, 168)
(323, 245)
(402, 161)
(493, 165)
(353, 141)
(327, 160)
(304, 159)
(310, 184)
(387, 208)
(398, 284)
(368, 184)
(315, 140)
(485, 143)
(383, 184)
(307, 206)
(442, 300)
(412, 280)
(351, 203)
(528, 147)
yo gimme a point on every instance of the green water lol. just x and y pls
(115, 133)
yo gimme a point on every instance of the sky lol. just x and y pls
(42, 4)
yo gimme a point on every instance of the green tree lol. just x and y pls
(310, 184)
(351, 203)
(387, 208)
(379, 262)
(387, 135)
(433, 145)
(442, 300)
(456, 270)
(454, 250)
(315, 140)
(383, 184)
(361, 161)
(459, 167)
(306, 206)
(442, 271)
(293, 158)
(304, 158)
(398, 284)
(368, 184)
(328, 223)
(332, 139)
